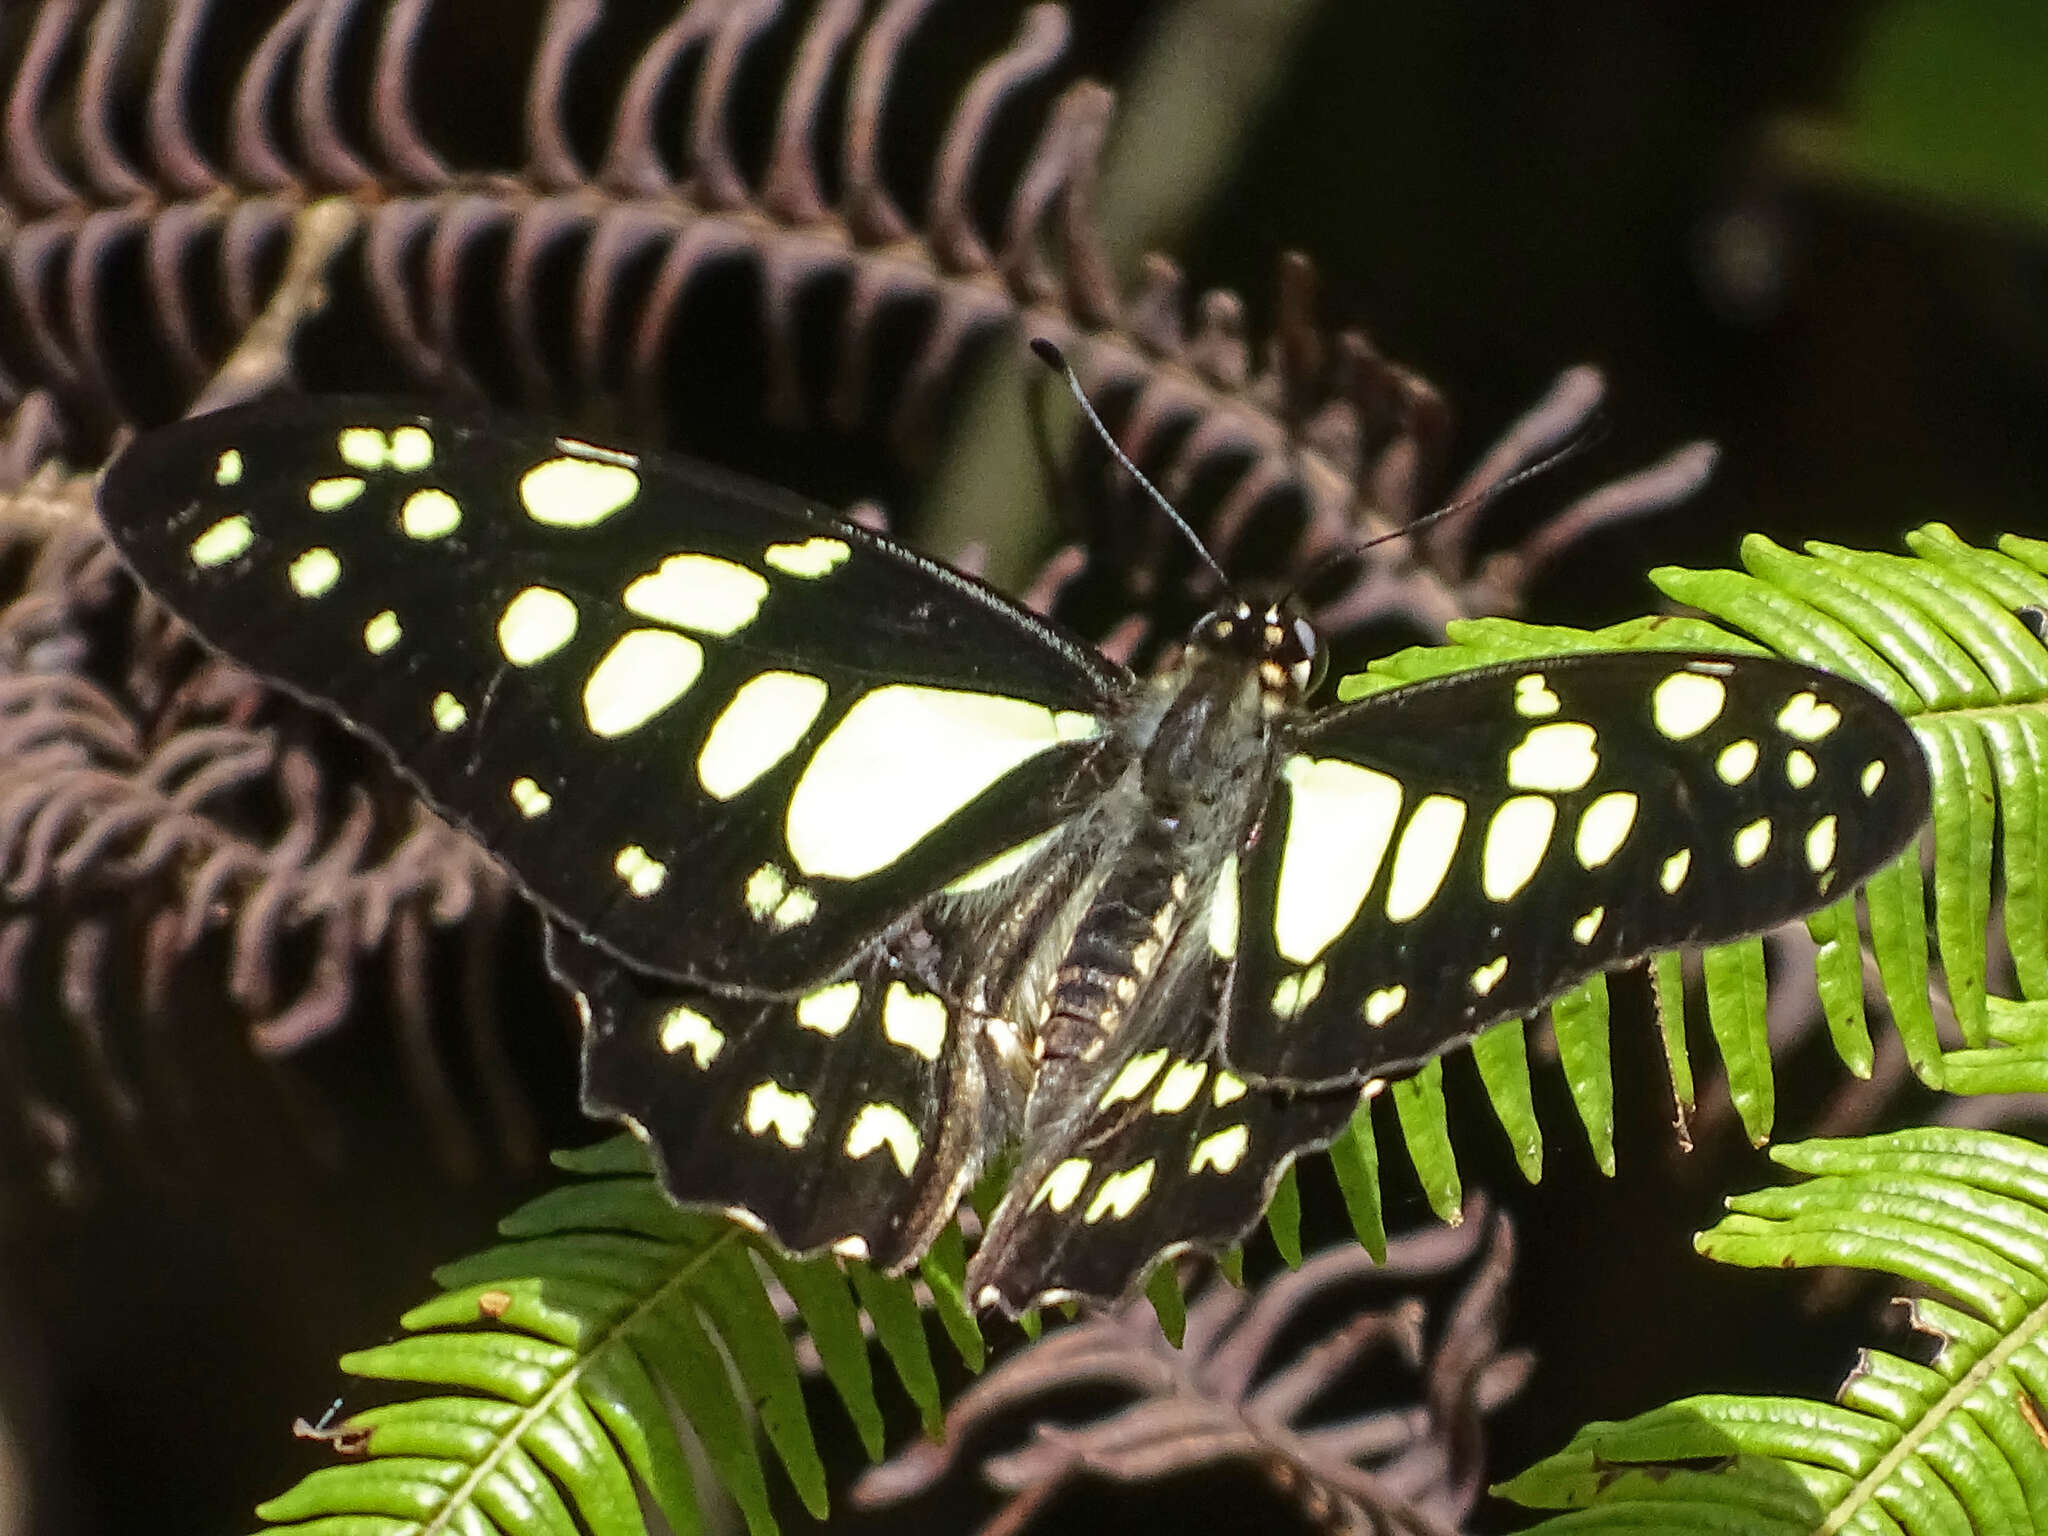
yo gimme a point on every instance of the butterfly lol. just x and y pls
(869, 881)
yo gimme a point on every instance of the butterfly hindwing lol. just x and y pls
(724, 735)
(849, 1116)
(1454, 852)
(1173, 1150)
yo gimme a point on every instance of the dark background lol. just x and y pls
(1495, 191)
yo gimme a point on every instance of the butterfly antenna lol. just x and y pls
(1592, 434)
(1585, 439)
(1055, 359)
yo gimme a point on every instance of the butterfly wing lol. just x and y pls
(726, 736)
(1171, 1150)
(1455, 852)
(849, 1117)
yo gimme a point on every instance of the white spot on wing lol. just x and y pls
(1516, 839)
(1178, 1088)
(643, 873)
(411, 450)
(1673, 874)
(1223, 1150)
(766, 888)
(795, 909)
(314, 573)
(914, 1020)
(1134, 1079)
(1556, 758)
(700, 592)
(759, 726)
(1753, 841)
(829, 1009)
(530, 798)
(771, 1107)
(1806, 717)
(809, 560)
(1820, 844)
(576, 493)
(644, 672)
(1121, 1192)
(538, 622)
(1297, 990)
(225, 540)
(429, 514)
(1428, 844)
(685, 1029)
(1800, 768)
(1589, 925)
(1382, 1005)
(227, 469)
(1604, 827)
(408, 449)
(1063, 1185)
(1533, 698)
(899, 764)
(1340, 821)
(1488, 976)
(361, 447)
(333, 493)
(382, 632)
(1686, 703)
(1228, 1089)
(1873, 775)
(883, 1125)
(1736, 761)
(449, 712)
(1223, 911)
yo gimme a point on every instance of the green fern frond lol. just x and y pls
(1936, 634)
(1954, 1445)
(560, 1362)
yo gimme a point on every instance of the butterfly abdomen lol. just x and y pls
(1115, 951)
(1193, 805)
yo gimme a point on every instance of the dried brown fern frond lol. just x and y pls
(159, 838)
(1254, 1382)
(575, 273)
(188, 215)
(634, 227)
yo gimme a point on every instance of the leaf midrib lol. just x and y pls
(462, 1495)
(1867, 1488)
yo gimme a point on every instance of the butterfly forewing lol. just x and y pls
(1454, 852)
(728, 738)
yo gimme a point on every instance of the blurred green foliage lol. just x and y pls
(1943, 105)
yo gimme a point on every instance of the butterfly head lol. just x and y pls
(1276, 638)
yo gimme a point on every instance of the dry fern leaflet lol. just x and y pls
(864, 874)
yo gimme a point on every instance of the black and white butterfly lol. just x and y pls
(865, 876)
